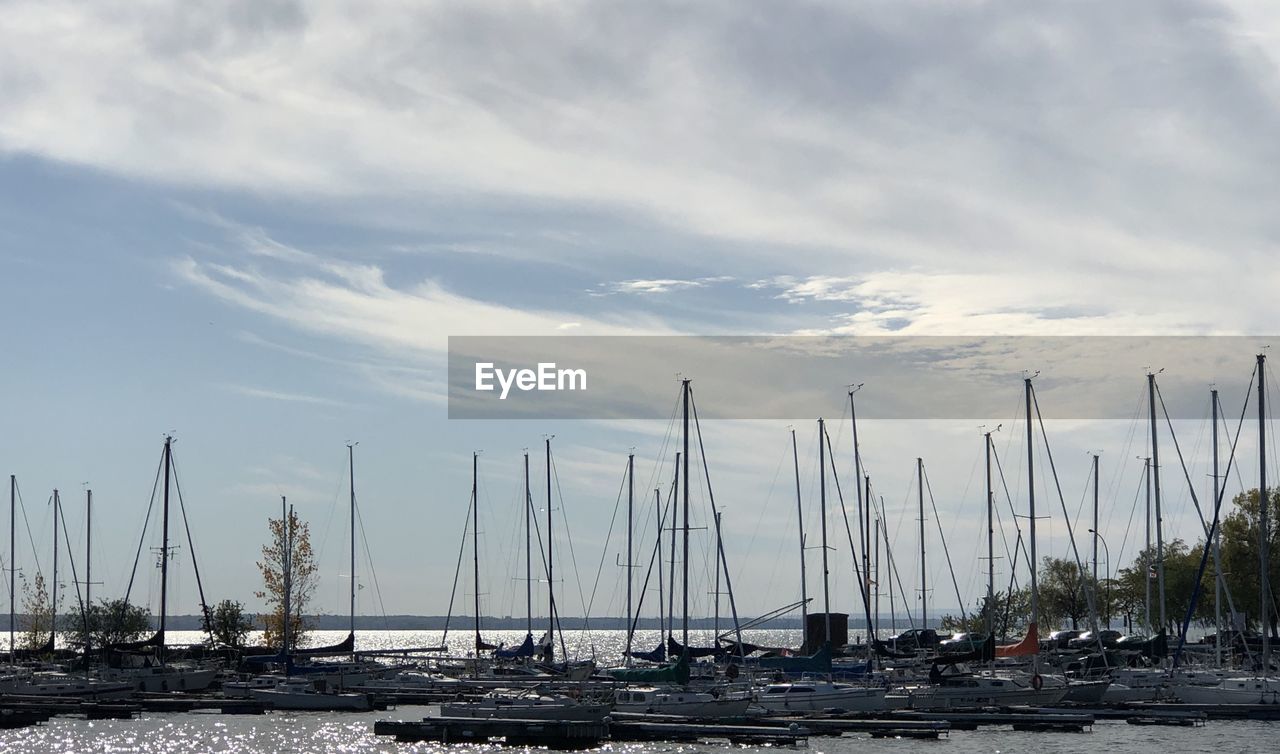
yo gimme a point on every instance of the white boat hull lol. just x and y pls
(315, 702)
(848, 700)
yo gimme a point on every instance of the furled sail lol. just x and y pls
(526, 649)
(1029, 645)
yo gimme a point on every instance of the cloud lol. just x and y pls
(1063, 135)
(287, 397)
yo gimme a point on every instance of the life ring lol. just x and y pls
(1037, 682)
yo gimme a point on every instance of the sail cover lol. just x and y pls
(818, 662)
(676, 672)
(1029, 645)
(525, 649)
(675, 649)
(346, 646)
(657, 654)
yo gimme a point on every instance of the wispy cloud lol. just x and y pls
(285, 396)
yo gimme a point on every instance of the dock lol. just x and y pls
(1019, 719)
(554, 734)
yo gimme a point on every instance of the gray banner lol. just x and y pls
(795, 377)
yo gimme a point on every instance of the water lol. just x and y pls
(332, 732)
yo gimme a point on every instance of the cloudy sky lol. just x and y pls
(255, 224)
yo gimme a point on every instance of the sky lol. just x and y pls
(254, 225)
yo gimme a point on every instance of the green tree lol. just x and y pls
(1007, 613)
(109, 622)
(1240, 555)
(295, 539)
(38, 611)
(228, 624)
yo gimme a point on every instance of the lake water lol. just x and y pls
(348, 733)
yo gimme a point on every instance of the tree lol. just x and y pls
(109, 622)
(227, 623)
(1062, 593)
(293, 540)
(1008, 615)
(1240, 555)
(38, 611)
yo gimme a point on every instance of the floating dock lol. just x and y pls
(554, 734)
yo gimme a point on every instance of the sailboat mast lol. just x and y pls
(684, 564)
(657, 512)
(822, 496)
(991, 535)
(475, 543)
(876, 582)
(1146, 577)
(551, 588)
(1155, 471)
(1264, 522)
(528, 554)
(716, 612)
(53, 603)
(1095, 521)
(1217, 536)
(13, 563)
(1031, 505)
(862, 499)
(671, 576)
(924, 571)
(804, 590)
(351, 472)
(164, 546)
(631, 494)
(285, 575)
(88, 566)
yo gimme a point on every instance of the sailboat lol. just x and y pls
(962, 689)
(28, 682)
(1263, 688)
(297, 691)
(145, 664)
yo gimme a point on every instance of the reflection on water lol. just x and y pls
(349, 733)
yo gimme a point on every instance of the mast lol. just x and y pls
(715, 625)
(631, 494)
(528, 554)
(862, 499)
(1155, 471)
(13, 563)
(1146, 473)
(804, 591)
(1264, 523)
(924, 572)
(1031, 503)
(53, 603)
(285, 537)
(866, 573)
(1095, 522)
(1217, 536)
(684, 564)
(551, 588)
(351, 469)
(888, 561)
(876, 582)
(671, 576)
(657, 512)
(475, 543)
(822, 491)
(991, 535)
(88, 565)
(164, 546)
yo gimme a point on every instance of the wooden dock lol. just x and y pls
(554, 734)
(688, 732)
(838, 725)
(1021, 720)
